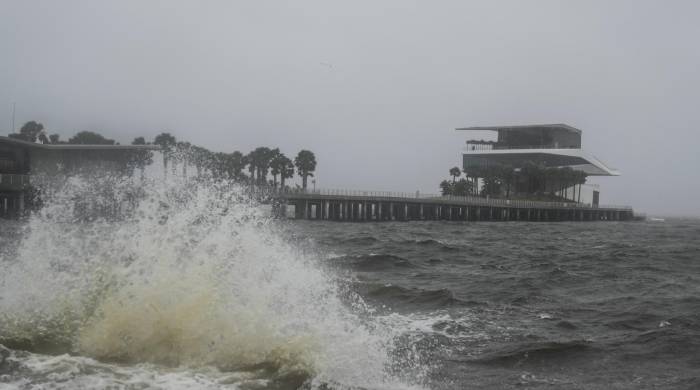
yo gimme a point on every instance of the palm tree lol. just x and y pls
(478, 172)
(541, 178)
(236, 164)
(43, 138)
(90, 138)
(249, 161)
(455, 172)
(568, 180)
(29, 131)
(277, 165)
(166, 142)
(492, 181)
(184, 155)
(527, 172)
(472, 174)
(461, 187)
(264, 155)
(287, 171)
(507, 174)
(305, 162)
(446, 188)
(580, 180)
(219, 165)
(199, 156)
(550, 178)
(258, 162)
(141, 158)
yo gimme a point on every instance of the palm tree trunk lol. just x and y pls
(579, 193)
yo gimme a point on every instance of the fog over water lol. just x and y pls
(374, 89)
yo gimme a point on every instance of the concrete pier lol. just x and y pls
(361, 206)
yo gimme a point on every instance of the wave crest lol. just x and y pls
(184, 273)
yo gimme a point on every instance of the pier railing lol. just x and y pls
(418, 196)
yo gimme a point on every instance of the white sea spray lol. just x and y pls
(187, 273)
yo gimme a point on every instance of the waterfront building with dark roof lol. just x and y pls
(20, 161)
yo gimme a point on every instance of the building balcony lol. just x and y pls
(480, 145)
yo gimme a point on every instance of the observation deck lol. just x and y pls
(551, 145)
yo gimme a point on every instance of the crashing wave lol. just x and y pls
(186, 273)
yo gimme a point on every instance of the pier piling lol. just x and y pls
(364, 207)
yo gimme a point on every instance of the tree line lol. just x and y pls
(34, 131)
(530, 181)
(260, 163)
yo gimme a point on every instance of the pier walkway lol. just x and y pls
(367, 206)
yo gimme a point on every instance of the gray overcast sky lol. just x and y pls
(403, 74)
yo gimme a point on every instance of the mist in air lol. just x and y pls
(375, 90)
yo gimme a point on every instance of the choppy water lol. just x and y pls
(197, 288)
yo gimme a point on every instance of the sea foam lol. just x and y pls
(186, 273)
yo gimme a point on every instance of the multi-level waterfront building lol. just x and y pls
(550, 145)
(21, 161)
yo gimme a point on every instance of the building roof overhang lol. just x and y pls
(8, 140)
(554, 126)
(592, 166)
